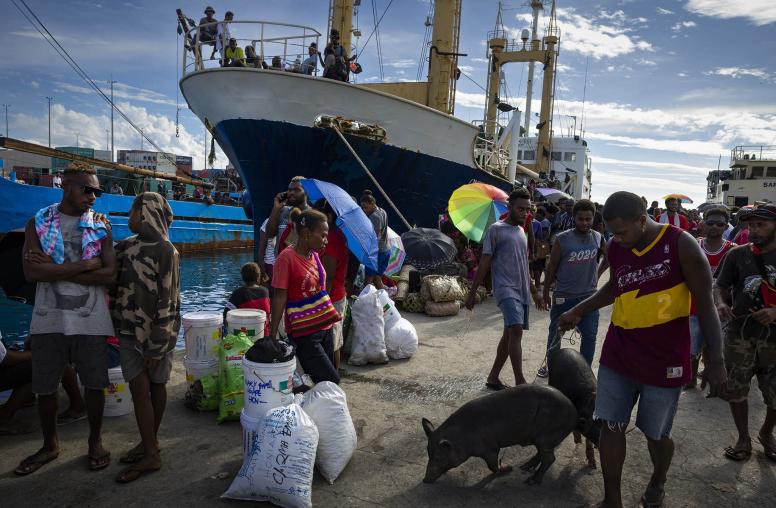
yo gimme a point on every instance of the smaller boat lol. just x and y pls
(751, 177)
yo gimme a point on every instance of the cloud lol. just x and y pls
(738, 72)
(468, 69)
(65, 123)
(480, 60)
(605, 36)
(660, 10)
(758, 12)
(682, 75)
(34, 84)
(644, 61)
(122, 91)
(402, 63)
(683, 24)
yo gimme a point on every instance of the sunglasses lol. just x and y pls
(716, 223)
(86, 189)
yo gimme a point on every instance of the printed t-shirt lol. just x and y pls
(649, 337)
(577, 275)
(337, 248)
(251, 298)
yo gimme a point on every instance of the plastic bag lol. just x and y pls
(401, 340)
(203, 394)
(328, 407)
(391, 315)
(368, 329)
(267, 350)
(280, 462)
(231, 379)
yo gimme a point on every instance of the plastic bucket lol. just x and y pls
(202, 332)
(267, 386)
(250, 428)
(197, 369)
(247, 321)
(118, 399)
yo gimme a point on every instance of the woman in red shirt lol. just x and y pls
(299, 280)
(335, 259)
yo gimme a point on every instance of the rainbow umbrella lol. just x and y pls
(475, 206)
(396, 248)
(681, 197)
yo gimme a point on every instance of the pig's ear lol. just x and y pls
(428, 427)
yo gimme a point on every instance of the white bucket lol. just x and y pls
(390, 313)
(202, 331)
(267, 386)
(250, 428)
(197, 369)
(247, 321)
(118, 398)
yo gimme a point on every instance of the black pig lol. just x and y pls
(570, 373)
(526, 415)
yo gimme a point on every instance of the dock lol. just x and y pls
(386, 403)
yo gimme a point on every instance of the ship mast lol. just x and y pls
(536, 5)
(341, 19)
(443, 55)
(545, 51)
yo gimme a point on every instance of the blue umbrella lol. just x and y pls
(351, 219)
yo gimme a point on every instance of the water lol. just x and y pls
(207, 280)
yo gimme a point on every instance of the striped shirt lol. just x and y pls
(649, 336)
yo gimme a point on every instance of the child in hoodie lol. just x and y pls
(146, 313)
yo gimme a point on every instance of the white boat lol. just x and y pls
(751, 177)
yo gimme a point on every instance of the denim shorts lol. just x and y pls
(616, 395)
(515, 313)
(696, 336)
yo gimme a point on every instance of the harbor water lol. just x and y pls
(207, 280)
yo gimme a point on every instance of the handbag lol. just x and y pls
(767, 291)
(313, 313)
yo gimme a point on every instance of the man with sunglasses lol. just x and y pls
(715, 248)
(69, 253)
(748, 275)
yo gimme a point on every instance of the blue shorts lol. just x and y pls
(696, 336)
(515, 313)
(383, 257)
(616, 395)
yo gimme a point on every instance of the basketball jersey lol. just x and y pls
(714, 259)
(649, 337)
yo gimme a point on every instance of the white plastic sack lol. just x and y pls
(368, 329)
(391, 314)
(279, 467)
(401, 340)
(327, 405)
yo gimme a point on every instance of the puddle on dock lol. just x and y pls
(435, 389)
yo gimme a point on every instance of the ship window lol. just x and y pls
(570, 156)
(556, 156)
(741, 201)
(519, 154)
(771, 172)
(757, 171)
(529, 155)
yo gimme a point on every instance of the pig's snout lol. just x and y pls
(432, 474)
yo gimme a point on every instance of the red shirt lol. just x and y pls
(673, 218)
(649, 337)
(298, 275)
(337, 248)
(714, 259)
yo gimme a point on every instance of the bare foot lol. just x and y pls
(147, 464)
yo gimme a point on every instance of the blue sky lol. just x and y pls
(672, 84)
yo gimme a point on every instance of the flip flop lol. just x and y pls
(738, 455)
(496, 386)
(131, 457)
(768, 447)
(657, 504)
(133, 472)
(65, 418)
(35, 462)
(100, 462)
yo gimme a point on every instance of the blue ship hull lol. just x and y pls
(269, 153)
(197, 226)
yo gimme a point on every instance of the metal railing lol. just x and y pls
(284, 44)
(753, 152)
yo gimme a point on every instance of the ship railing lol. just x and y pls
(269, 40)
(490, 158)
(752, 153)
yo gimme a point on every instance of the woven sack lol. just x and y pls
(439, 309)
(444, 288)
(413, 303)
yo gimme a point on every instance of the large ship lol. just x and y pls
(751, 177)
(401, 140)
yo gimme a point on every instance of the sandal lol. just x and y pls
(99, 462)
(35, 462)
(496, 386)
(133, 472)
(769, 446)
(738, 454)
(655, 504)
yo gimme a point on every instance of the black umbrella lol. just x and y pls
(427, 248)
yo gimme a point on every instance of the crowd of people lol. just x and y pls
(335, 61)
(683, 294)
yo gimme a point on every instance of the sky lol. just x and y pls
(672, 85)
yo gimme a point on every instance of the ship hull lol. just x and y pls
(264, 122)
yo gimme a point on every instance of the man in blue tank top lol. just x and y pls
(573, 266)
